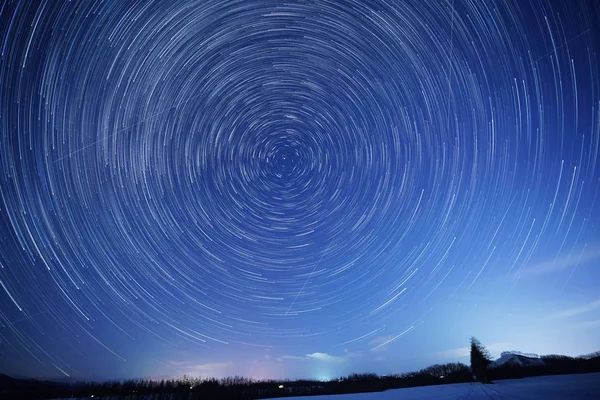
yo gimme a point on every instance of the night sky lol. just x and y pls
(295, 189)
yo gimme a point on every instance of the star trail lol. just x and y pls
(295, 189)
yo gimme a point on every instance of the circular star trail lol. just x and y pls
(288, 176)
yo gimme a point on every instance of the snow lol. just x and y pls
(517, 358)
(558, 387)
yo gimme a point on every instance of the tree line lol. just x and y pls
(188, 388)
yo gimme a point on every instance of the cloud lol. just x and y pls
(321, 357)
(212, 366)
(380, 340)
(587, 324)
(288, 357)
(557, 264)
(380, 343)
(324, 357)
(464, 352)
(177, 363)
(571, 312)
(385, 340)
(460, 352)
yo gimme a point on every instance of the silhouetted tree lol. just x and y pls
(480, 360)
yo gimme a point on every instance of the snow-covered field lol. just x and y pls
(567, 387)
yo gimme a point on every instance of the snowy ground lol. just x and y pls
(567, 387)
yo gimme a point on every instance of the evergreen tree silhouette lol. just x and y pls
(480, 360)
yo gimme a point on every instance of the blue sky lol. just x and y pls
(278, 190)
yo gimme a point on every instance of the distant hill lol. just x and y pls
(517, 358)
(591, 355)
(514, 364)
